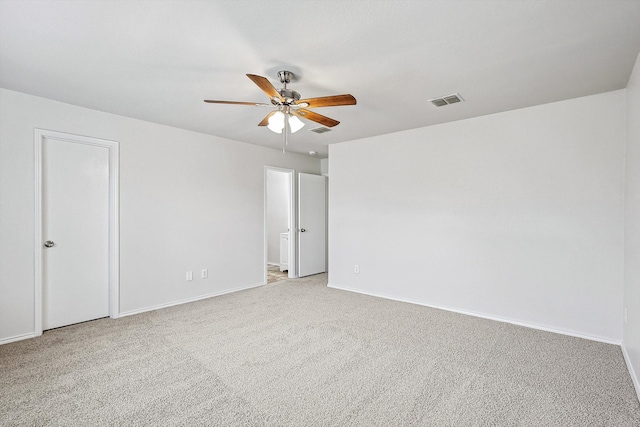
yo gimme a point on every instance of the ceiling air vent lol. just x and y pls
(321, 130)
(446, 100)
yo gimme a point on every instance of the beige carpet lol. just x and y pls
(296, 353)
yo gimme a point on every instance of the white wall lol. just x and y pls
(516, 216)
(631, 344)
(278, 187)
(187, 201)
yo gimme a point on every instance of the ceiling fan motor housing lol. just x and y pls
(289, 95)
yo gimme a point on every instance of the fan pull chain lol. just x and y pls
(285, 132)
(287, 128)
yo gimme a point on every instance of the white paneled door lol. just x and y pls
(75, 231)
(311, 224)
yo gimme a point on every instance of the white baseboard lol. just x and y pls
(143, 310)
(17, 338)
(187, 300)
(483, 316)
(632, 372)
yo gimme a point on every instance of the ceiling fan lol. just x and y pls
(289, 108)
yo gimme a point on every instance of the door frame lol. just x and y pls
(114, 226)
(293, 268)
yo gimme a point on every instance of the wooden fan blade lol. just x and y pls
(328, 101)
(266, 86)
(256, 104)
(318, 118)
(265, 121)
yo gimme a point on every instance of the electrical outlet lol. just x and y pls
(625, 315)
(356, 269)
(189, 276)
(205, 273)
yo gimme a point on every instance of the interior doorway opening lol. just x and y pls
(279, 225)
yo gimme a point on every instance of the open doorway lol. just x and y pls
(279, 223)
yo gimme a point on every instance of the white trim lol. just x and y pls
(188, 300)
(483, 316)
(632, 372)
(17, 338)
(114, 224)
(292, 267)
(292, 270)
(37, 284)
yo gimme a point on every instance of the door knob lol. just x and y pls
(302, 230)
(49, 244)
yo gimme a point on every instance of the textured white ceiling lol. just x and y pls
(158, 60)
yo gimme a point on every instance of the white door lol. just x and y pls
(75, 221)
(311, 224)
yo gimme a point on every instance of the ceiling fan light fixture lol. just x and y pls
(276, 122)
(295, 124)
